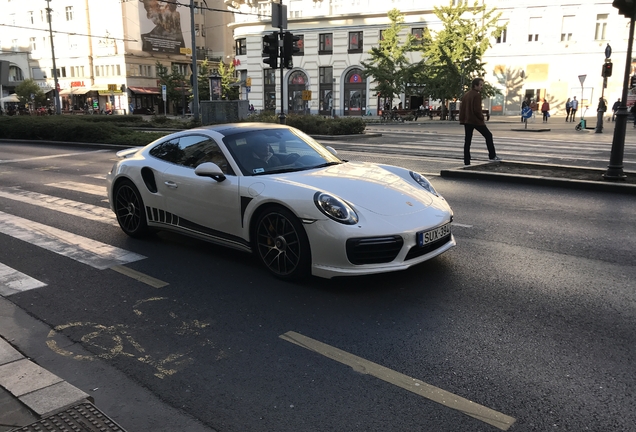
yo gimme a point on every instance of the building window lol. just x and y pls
(417, 33)
(534, 27)
(241, 46)
(33, 44)
(567, 24)
(300, 44)
(601, 25)
(69, 13)
(355, 42)
(197, 31)
(503, 37)
(381, 37)
(31, 19)
(14, 44)
(196, 8)
(325, 43)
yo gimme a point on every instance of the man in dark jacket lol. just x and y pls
(472, 117)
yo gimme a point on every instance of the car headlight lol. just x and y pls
(421, 180)
(335, 208)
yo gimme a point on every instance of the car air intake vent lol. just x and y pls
(149, 179)
(417, 251)
(373, 250)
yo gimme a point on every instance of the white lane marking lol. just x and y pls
(141, 277)
(51, 156)
(75, 208)
(81, 187)
(462, 225)
(96, 176)
(91, 252)
(436, 394)
(12, 281)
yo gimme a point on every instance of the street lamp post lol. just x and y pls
(57, 85)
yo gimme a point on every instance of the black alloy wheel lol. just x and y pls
(282, 244)
(130, 211)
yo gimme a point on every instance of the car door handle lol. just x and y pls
(171, 184)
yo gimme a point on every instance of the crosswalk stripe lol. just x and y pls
(91, 252)
(51, 156)
(81, 187)
(12, 281)
(86, 211)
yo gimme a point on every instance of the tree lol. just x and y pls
(29, 87)
(452, 57)
(389, 67)
(228, 90)
(203, 79)
(176, 85)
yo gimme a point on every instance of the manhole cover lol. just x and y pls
(80, 418)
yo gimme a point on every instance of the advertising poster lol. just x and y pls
(164, 26)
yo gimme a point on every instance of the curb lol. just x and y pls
(41, 391)
(471, 173)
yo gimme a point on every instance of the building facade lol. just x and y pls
(106, 51)
(553, 50)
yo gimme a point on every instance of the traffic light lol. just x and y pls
(607, 70)
(625, 7)
(270, 49)
(290, 47)
(632, 81)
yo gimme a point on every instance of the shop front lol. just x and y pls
(145, 100)
(355, 93)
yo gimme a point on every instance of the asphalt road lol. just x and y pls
(531, 317)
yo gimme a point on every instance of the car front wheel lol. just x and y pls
(129, 208)
(282, 244)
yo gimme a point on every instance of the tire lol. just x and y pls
(281, 244)
(130, 210)
(578, 127)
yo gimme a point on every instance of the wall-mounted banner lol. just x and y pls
(163, 26)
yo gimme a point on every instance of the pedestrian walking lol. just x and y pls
(633, 111)
(575, 106)
(472, 117)
(615, 107)
(545, 110)
(568, 108)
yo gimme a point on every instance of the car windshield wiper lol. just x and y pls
(326, 164)
(278, 171)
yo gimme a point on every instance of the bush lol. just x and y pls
(319, 125)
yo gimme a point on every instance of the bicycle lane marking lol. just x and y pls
(420, 388)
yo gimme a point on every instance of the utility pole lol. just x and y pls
(195, 81)
(58, 109)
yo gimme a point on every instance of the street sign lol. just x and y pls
(306, 95)
(608, 51)
(582, 79)
(526, 112)
(163, 92)
(248, 82)
(248, 89)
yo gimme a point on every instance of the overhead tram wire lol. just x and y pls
(70, 33)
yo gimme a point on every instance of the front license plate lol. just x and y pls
(426, 237)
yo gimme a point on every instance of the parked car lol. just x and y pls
(273, 190)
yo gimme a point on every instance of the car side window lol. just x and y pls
(211, 152)
(191, 151)
(169, 151)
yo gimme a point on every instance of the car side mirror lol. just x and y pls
(210, 169)
(332, 150)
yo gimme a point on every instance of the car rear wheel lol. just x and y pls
(129, 208)
(282, 244)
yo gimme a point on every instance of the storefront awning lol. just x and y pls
(74, 91)
(145, 90)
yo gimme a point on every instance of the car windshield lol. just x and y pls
(265, 151)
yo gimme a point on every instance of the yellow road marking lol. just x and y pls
(472, 409)
(148, 280)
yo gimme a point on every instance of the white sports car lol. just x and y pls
(275, 191)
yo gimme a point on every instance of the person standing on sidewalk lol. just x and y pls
(575, 106)
(533, 107)
(472, 117)
(615, 107)
(568, 108)
(545, 108)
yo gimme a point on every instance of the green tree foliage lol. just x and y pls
(228, 91)
(176, 84)
(389, 67)
(203, 79)
(453, 56)
(29, 87)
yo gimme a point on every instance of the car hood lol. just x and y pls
(366, 185)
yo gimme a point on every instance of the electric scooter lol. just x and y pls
(581, 125)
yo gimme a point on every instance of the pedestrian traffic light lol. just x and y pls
(607, 70)
(632, 81)
(290, 47)
(625, 7)
(270, 49)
